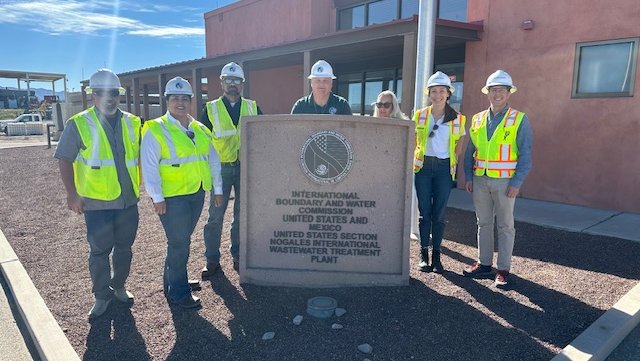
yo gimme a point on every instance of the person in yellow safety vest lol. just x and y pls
(98, 155)
(223, 116)
(438, 130)
(179, 164)
(497, 161)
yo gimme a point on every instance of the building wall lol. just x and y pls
(276, 90)
(585, 151)
(287, 20)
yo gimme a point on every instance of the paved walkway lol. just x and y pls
(548, 214)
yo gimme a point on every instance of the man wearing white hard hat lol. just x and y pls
(321, 100)
(497, 161)
(179, 164)
(223, 116)
(98, 155)
(438, 130)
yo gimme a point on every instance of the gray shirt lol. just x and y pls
(70, 145)
(523, 142)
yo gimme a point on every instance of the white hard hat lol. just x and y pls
(104, 79)
(439, 78)
(499, 77)
(178, 86)
(321, 69)
(232, 69)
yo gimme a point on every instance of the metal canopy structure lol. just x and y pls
(31, 76)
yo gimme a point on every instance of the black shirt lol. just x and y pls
(233, 111)
(335, 105)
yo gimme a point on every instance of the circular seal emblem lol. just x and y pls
(326, 157)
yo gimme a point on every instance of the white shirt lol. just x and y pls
(439, 144)
(150, 161)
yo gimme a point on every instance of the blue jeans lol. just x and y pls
(433, 185)
(108, 231)
(214, 227)
(179, 222)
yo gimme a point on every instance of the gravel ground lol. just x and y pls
(561, 283)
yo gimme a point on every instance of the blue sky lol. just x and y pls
(76, 37)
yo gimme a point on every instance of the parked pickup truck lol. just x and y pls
(23, 118)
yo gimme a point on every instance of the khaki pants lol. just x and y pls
(490, 200)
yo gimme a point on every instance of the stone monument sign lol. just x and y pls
(325, 200)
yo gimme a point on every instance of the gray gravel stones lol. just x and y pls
(365, 348)
(297, 320)
(339, 311)
(268, 335)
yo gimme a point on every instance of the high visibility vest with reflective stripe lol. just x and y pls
(497, 157)
(94, 170)
(457, 130)
(226, 136)
(184, 164)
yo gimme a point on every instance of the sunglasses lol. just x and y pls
(112, 93)
(433, 131)
(385, 105)
(232, 81)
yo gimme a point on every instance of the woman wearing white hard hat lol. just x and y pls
(438, 129)
(321, 100)
(179, 163)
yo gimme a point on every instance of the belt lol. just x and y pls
(231, 164)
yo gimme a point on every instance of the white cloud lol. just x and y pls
(91, 17)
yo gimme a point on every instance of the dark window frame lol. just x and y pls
(577, 63)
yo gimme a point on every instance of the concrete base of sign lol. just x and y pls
(325, 200)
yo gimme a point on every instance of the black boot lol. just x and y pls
(437, 267)
(425, 261)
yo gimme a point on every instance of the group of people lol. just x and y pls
(104, 153)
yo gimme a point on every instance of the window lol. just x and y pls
(382, 11)
(605, 68)
(352, 18)
(361, 89)
(453, 10)
(409, 8)
(357, 14)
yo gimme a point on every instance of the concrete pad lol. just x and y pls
(13, 346)
(548, 214)
(623, 225)
(605, 334)
(51, 342)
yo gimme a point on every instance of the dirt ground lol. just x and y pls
(561, 283)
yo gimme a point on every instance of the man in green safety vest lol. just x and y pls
(98, 155)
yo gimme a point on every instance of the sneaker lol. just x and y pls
(99, 308)
(123, 295)
(194, 285)
(501, 278)
(414, 237)
(477, 270)
(189, 301)
(209, 270)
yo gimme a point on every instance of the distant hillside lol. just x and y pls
(41, 92)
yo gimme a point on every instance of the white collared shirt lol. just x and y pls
(150, 162)
(439, 144)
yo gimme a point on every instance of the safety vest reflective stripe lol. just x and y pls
(494, 165)
(217, 129)
(250, 106)
(184, 160)
(511, 118)
(95, 160)
(174, 159)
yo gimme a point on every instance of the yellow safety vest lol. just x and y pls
(184, 164)
(94, 170)
(497, 157)
(457, 130)
(225, 135)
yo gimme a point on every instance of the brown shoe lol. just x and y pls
(209, 270)
(501, 278)
(477, 270)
